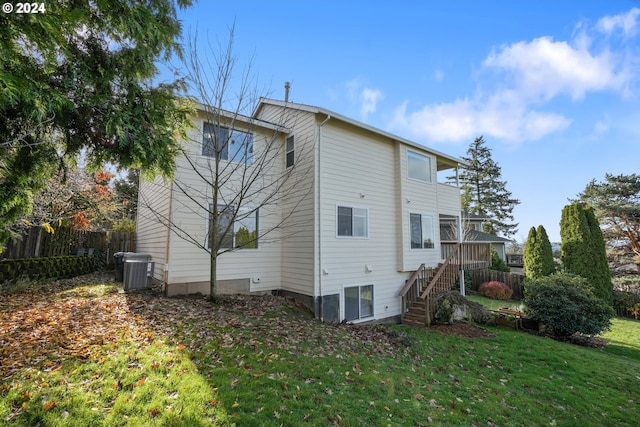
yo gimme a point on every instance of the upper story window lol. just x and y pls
(422, 236)
(418, 166)
(227, 144)
(290, 151)
(353, 222)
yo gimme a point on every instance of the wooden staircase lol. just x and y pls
(423, 287)
(416, 314)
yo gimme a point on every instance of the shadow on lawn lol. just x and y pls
(619, 348)
(93, 342)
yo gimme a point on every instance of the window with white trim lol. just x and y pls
(243, 234)
(353, 222)
(290, 151)
(358, 302)
(227, 144)
(422, 234)
(418, 166)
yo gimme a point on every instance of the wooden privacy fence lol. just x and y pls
(36, 242)
(514, 281)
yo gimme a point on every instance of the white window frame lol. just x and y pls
(228, 153)
(363, 212)
(422, 216)
(359, 286)
(236, 227)
(288, 151)
(419, 156)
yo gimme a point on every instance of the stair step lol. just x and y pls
(413, 322)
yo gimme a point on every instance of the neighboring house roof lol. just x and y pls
(447, 234)
(474, 217)
(446, 161)
(466, 216)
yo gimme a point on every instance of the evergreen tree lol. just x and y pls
(616, 202)
(484, 193)
(548, 266)
(79, 78)
(601, 275)
(583, 252)
(538, 256)
(530, 258)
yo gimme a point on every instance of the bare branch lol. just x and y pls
(232, 190)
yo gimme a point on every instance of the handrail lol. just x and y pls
(474, 255)
(441, 270)
(410, 281)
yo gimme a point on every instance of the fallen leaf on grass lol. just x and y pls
(49, 405)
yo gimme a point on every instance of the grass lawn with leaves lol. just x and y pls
(83, 353)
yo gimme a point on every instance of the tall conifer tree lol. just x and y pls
(583, 251)
(484, 193)
(546, 252)
(538, 256)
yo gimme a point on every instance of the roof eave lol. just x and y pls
(452, 161)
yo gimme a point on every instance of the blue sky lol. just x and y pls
(552, 86)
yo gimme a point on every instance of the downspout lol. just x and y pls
(318, 215)
(460, 232)
(165, 273)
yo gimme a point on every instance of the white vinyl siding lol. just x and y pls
(152, 237)
(190, 264)
(417, 198)
(369, 183)
(298, 248)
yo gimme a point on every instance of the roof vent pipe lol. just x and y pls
(287, 86)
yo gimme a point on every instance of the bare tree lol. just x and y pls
(467, 230)
(234, 169)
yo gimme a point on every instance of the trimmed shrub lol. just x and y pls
(497, 263)
(565, 304)
(538, 256)
(495, 290)
(46, 268)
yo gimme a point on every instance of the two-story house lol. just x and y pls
(366, 218)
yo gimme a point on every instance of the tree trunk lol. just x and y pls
(213, 289)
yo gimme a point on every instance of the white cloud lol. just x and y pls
(542, 69)
(626, 22)
(361, 98)
(369, 99)
(438, 75)
(517, 83)
(465, 119)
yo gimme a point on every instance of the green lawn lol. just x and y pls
(97, 356)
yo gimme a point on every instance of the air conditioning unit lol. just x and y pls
(137, 274)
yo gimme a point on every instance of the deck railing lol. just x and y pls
(413, 287)
(426, 284)
(471, 255)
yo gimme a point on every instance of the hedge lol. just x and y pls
(47, 268)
